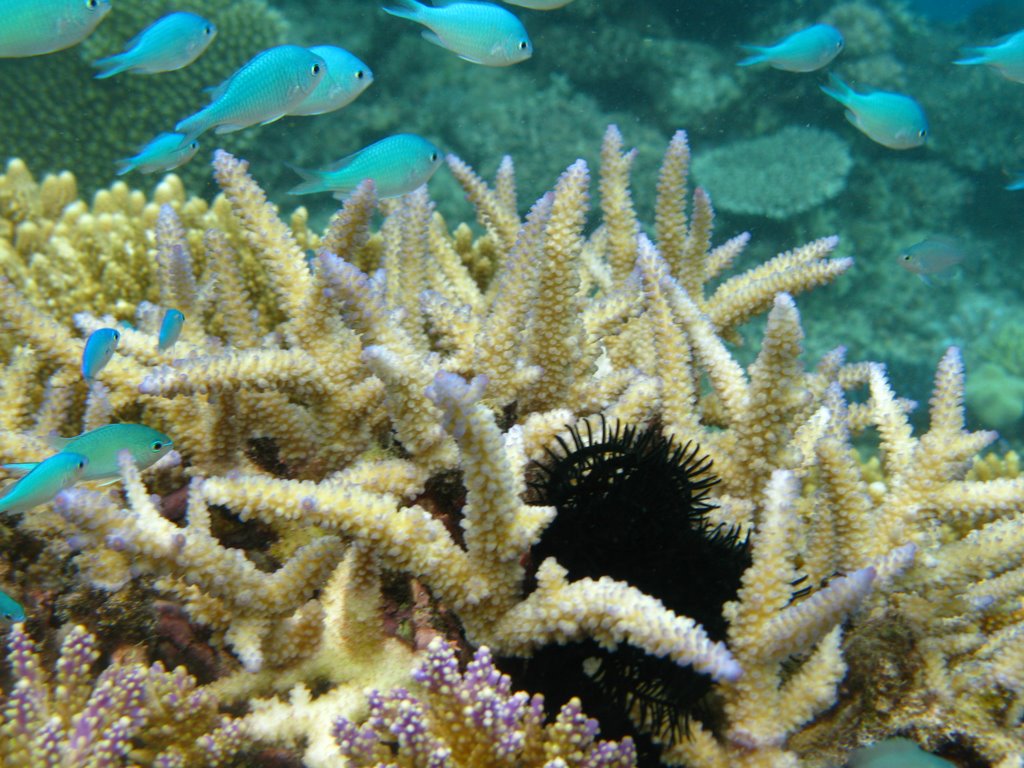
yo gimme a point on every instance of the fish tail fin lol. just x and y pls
(124, 165)
(406, 9)
(757, 55)
(974, 56)
(193, 127)
(312, 182)
(112, 65)
(837, 88)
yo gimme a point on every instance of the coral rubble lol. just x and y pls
(356, 428)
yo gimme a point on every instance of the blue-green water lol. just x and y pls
(650, 67)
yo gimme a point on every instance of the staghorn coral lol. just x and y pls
(392, 393)
(473, 719)
(71, 720)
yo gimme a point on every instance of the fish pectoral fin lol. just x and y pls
(20, 469)
(431, 37)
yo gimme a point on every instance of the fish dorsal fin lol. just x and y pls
(20, 469)
(56, 442)
(339, 165)
(216, 91)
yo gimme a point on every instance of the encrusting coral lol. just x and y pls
(376, 409)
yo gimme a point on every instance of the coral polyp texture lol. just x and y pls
(358, 413)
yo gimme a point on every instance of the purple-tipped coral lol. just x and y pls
(71, 719)
(473, 719)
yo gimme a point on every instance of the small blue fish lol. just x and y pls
(10, 609)
(397, 164)
(164, 153)
(932, 255)
(539, 5)
(100, 447)
(99, 348)
(346, 78)
(1017, 183)
(173, 42)
(803, 51)
(892, 119)
(33, 27)
(482, 33)
(170, 329)
(47, 478)
(264, 89)
(896, 753)
(1006, 57)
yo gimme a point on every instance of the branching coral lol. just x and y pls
(71, 720)
(392, 392)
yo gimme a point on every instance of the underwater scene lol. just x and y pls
(533, 383)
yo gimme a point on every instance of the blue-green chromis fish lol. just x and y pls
(163, 153)
(101, 446)
(170, 43)
(803, 51)
(539, 5)
(10, 609)
(1006, 57)
(397, 164)
(99, 348)
(482, 33)
(892, 119)
(346, 78)
(34, 27)
(170, 329)
(46, 479)
(932, 255)
(896, 753)
(266, 88)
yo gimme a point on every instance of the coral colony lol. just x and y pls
(357, 417)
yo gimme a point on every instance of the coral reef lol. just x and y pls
(798, 169)
(356, 428)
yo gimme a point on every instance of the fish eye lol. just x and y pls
(359, 75)
(194, 145)
(117, 336)
(433, 156)
(157, 445)
(523, 45)
(905, 257)
(81, 464)
(316, 69)
(922, 133)
(91, 3)
(208, 29)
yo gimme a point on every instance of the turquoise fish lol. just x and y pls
(170, 43)
(99, 348)
(10, 609)
(932, 255)
(34, 27)
(482, 33)
(170, 329)
(892, 119)
(346, 78)
(264, 89)
(397, 164)
(1017, 183)
(1006, 57)
(100, 447)
(803, 51)
(163, 153)
(896, 753)
(44, 481)
(539, 5)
